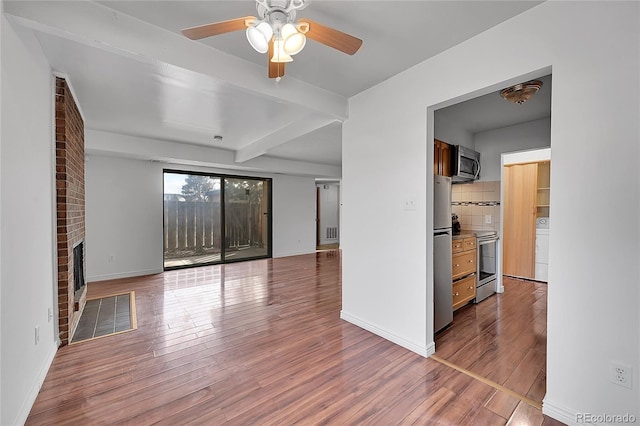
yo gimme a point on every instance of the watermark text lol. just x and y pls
(605, 418)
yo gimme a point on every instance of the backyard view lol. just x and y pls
(213, 219)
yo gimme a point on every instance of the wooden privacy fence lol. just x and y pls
(196, 226)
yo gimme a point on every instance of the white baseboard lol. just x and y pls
(106, 277)
(425, 351)
(294, 253)
(25, 409)
(560, 413)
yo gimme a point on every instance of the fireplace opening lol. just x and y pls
(78, 270)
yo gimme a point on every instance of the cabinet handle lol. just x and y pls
(470, 288)
(456, 265)
(470, 261)
(456, 294)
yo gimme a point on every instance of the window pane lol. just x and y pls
(192, 225)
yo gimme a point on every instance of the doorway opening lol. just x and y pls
(327, 215)
(213, 218)
(526, 205)
(501, 339)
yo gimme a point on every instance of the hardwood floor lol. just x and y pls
(503, 338)
(258, 343)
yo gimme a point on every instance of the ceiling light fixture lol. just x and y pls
(259, 36)
(275, 32)
(521, 93)
(275, 24)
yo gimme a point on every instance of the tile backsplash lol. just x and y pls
(476, 201)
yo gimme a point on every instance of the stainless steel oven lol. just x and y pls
(486, 242)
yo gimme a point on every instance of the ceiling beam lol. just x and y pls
(175, 153)
(96, 25)
(283, 135)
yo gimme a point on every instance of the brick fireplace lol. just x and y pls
(70, 210)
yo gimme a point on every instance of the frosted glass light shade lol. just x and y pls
(279, 55)
(293, 41)
(259, 36)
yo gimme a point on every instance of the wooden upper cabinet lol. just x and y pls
(442, 157)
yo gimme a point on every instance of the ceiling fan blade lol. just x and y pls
(276, 69)
(208, 30)
(331, 37)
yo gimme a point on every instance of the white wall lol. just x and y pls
(27, 222)
(124, 215)
(1, 25)
(294, 213)
(451, 133)
(1, 56)
(593, 60)
(492, 143)
(528, 156)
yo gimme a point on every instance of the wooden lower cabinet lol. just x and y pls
(463, 271)
(464, 291)
(464, 263)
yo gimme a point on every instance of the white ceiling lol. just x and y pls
(492, 112)
(134, 73)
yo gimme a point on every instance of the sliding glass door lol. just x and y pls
(204, 224)
(246, 215)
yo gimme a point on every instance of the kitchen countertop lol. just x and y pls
(463, 234)
(468, 233)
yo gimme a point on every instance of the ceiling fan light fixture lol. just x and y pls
(522, 92)
(293, 41)
(274, 31)
(279, 55)
(259, 36)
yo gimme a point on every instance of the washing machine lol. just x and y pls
(542, 249)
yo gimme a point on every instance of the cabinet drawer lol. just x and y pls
(464, 291)
(457, 246)
(464, 263)
(469, 243)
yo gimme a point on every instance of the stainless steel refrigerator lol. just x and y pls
(442, 283)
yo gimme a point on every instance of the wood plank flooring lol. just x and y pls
(260, 343)
(503, 338)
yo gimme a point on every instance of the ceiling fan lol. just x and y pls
(276, 32)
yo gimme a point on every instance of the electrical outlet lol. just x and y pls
(409, 204)
(49, 315)
(112, 258)
(37, 334)
(622, 375)
(488, 219)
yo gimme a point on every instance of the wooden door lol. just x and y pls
(519, 228)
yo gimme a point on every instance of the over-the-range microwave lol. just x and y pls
(466, 164)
